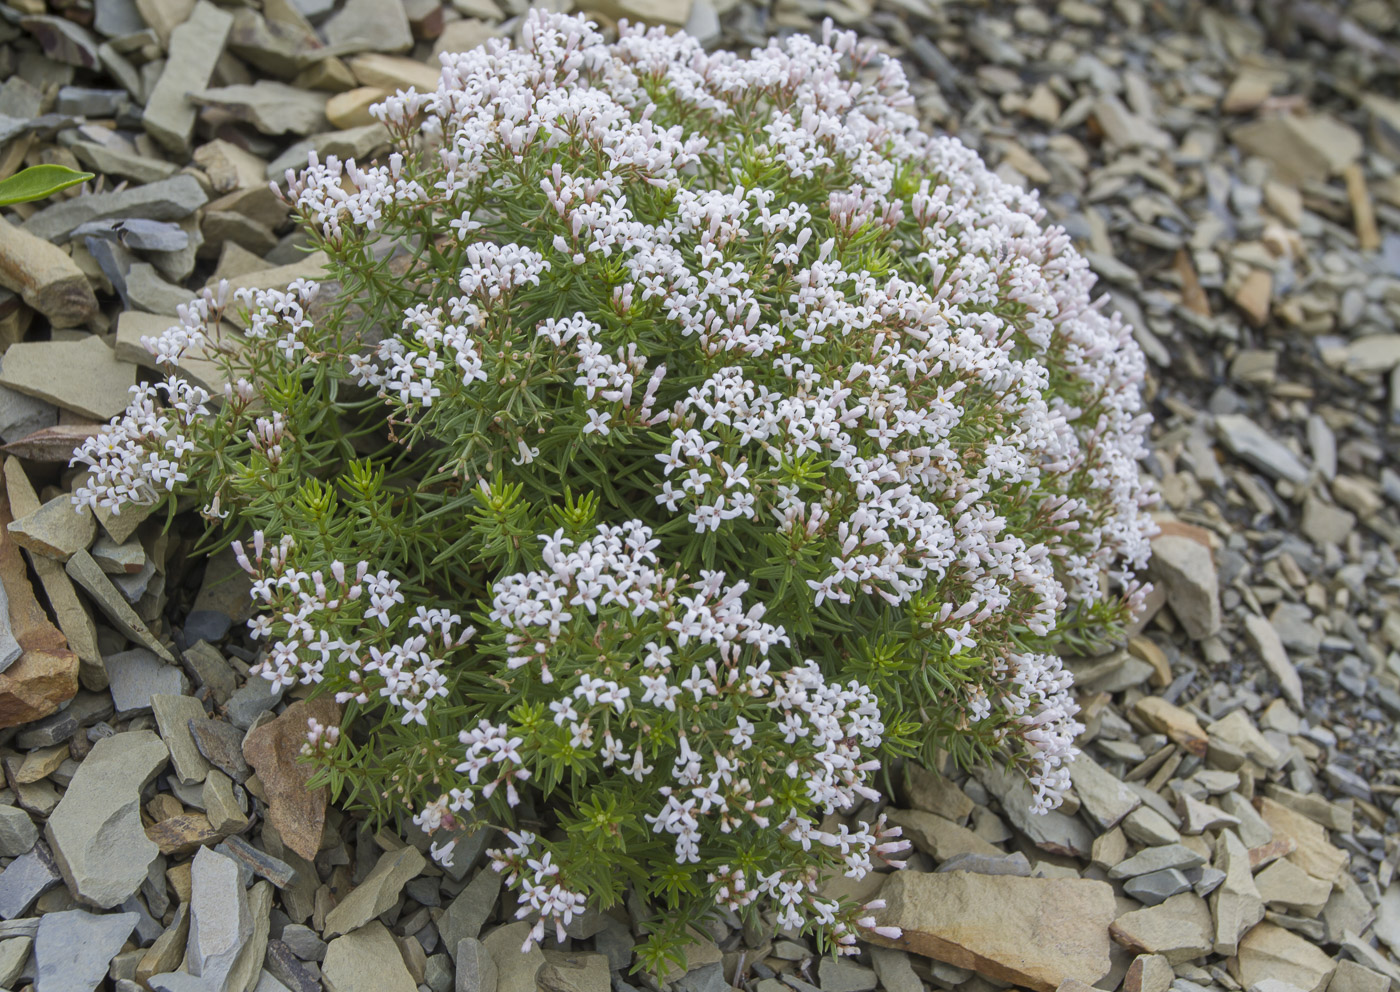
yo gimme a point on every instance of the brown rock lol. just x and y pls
(1300, 148)
(297, 812)
(46, 674)
(1236, 904)
(388, 72)
(46, 278)
(169, 948)
(1315, 854)
(1034, 932)
(1149, 973)
(56, 530)
(1363, 215)
(1268, 853)
(1183, 728)
(940, 838)
(1179, 929)
(934, 793)
(184, 833)
(1254, 295)
(1269, 951)
(351, 109)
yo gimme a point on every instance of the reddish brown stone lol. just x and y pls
(46, 674)
(297, 812)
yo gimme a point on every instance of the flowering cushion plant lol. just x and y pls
(674, 436)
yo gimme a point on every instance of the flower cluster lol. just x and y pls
(844, 295)
(688, 712)
(758, 432)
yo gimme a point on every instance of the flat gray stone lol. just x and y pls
(894, 969)
(147, 290)
(840, 975)
(63, 40)
(358, 143)
(95, 831)
(1267, 642)
(259, 862)
(304, 942)
(986, 864)
(137, 675)
(170, 199)
(1156, 859)
(195, 47)
(117, 18)
(377, 893)
(173, 714)
(85, 709)
(22, 415)
(1157, 886)
(1251, 443)
(251, 701)
(221, 921)
(271, 107)
(1053, 831)
(1103, 798)
(74, 948)
(367, 960)
(476, 970)
(14, 952)
(17, 832)
(87, 101)
(283, 965)
(25, 879)
(222, 745)
(1187, 572)
(88, 574)
(369, 26)
(468, 912)
(82, 376)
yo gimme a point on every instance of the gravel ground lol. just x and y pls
(1232, 170)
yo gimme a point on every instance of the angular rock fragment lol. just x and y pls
(73, 948)
(379, 891)
(1186, 569)
(1104, 798)
(1236, 905)
(173, 713)
(1033, 932)
(25, 879)
(1270, 647)
(46, 278)
(297, 812)
(82, 376)
(46, 673)
(138, 675)
(88, 574)
(367, 960)
(271, 107)
(170, 199)
(1251, 443)
(95, 832)
(195, 47)
(369, 26)
(1271, 952)
(1179, 929)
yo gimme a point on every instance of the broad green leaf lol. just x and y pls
(37, 182)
